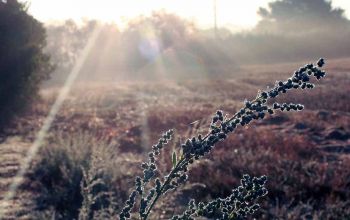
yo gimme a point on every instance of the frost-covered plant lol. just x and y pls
(242, 200)
(237, 205)
(93, 187)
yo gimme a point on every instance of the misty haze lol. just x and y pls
(182, 109)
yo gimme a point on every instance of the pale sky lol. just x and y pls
(235, 14)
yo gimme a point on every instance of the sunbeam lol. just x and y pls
(40, 138)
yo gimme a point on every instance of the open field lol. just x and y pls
(306, 155)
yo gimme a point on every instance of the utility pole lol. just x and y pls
(215, 19)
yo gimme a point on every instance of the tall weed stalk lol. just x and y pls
(242, 202)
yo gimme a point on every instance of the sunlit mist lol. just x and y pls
(232, 14)
(229, 13)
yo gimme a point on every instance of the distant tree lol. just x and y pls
(148, 37)
(23, 64)
(301, 15)
(65, 41)
(293, 30)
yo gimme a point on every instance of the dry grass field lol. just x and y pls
(112, 126)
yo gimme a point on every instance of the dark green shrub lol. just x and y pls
(23, 65)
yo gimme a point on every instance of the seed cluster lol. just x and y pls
(149, 172)
(125, 214)
(238, 205)
(257, 109)
(150, 167)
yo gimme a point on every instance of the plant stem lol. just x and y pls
(167, 181)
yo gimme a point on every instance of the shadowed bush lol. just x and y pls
(77, 176)
(23, 64)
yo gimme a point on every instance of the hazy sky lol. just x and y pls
(230, 13)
